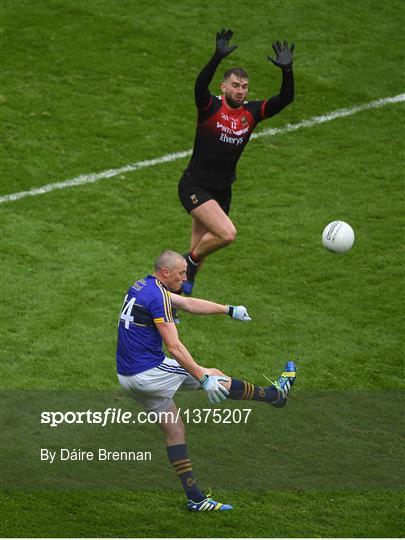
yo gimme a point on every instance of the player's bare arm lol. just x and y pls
(213, 381)
(198, 306)
(177, 350)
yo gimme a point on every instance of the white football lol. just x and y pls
(338, 236)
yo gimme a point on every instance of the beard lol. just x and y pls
(232, 103)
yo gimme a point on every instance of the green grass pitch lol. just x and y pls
(97, 84)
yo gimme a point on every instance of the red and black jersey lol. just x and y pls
(223, 132)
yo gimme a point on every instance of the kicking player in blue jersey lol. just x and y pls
(224, 126)
(152, 379)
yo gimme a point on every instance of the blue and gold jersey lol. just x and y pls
(139, 347)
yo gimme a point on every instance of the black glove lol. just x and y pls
(223, 48)
(284, 57)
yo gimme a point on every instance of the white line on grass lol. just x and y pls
(94, 177)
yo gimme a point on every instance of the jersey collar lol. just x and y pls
(152, 276)
(231, 108)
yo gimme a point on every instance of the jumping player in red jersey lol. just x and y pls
(224, 127)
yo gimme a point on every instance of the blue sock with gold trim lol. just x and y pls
(246, 390)
(178, 457)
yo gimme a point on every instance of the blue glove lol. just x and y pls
(212, 385)
(238, 312)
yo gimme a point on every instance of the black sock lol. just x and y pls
(246, 390)
(178, 457)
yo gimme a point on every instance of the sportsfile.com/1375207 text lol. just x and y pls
(113, 415)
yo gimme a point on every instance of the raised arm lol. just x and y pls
(222, 49)
(283, 60)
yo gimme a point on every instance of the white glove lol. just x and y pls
(239, 312)
(212, 385)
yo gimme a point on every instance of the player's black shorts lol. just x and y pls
(192, 195)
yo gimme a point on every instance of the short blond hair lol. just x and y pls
(167, 259)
